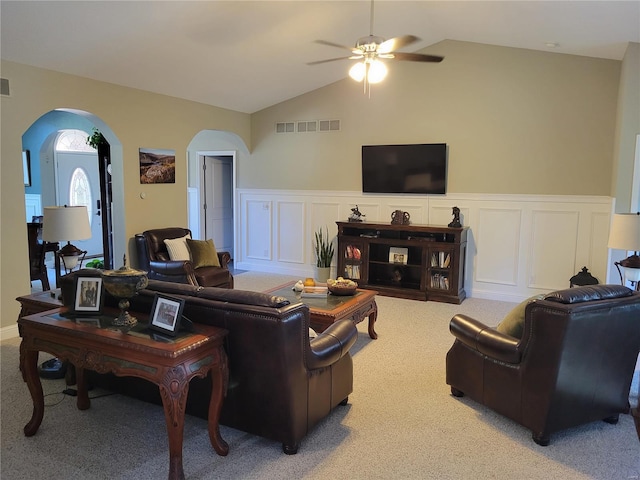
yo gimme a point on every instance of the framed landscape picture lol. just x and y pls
(157, 166)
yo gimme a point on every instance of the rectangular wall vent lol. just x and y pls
(329, 125)
(305, 126)
(308, 126)
(4, 87)
(285, 127)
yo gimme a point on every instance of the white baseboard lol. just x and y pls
(9, 332)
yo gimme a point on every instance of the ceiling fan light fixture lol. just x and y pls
(377, 72)
(358, 71)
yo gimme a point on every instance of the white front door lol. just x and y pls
(78, 183)
(218, 194)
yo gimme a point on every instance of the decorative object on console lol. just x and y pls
(455, 223)
(583, 278)
(124, 284)
(323, 248)
(70, 224)
(400, 218)
(625, 235)
(356, 215)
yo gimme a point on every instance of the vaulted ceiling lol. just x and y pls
(247, 56)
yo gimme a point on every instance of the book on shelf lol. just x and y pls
(352, 252)
(447, 261)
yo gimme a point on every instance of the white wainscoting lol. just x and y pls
(519, 245)
(33, 205)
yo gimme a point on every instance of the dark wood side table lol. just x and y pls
(93, 343)
(39, 302)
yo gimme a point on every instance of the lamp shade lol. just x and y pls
(625, 232)
(65, 223)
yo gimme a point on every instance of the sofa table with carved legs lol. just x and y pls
(93, 343)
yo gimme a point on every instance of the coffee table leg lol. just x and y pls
(30, 371)
(373, 316)
(218, 387)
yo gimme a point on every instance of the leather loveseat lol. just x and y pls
(153, 257)
(281, 383)
(573, 365)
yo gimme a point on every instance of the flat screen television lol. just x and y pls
(417, 168)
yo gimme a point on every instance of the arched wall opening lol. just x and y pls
(40, 138)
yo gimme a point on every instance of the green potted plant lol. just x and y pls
(96, 139)
(323, 248)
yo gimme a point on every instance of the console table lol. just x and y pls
(93, 343)
(420, 262)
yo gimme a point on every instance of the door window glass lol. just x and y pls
(80, 191)
(73, 141)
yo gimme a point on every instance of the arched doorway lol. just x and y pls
(47, 141)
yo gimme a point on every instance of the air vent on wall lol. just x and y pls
(329, 125)
(4, 87)
(308, 126)
(285, 127)
(311, 126)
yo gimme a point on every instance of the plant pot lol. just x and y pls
(322, 274)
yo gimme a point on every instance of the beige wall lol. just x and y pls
(516, 121)
(627, 128)
(137, 118)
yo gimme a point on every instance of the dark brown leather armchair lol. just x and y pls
(154, 258)
(573, 365)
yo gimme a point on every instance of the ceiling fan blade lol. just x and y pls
(396, 43)
(416, 57)
(318, 62)
(331, 44)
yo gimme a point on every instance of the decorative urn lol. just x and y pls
(124, 284)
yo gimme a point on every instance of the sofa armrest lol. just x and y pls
(332, 344)
(225, 259)
(486, 340)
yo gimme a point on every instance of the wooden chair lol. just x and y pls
(37, 251)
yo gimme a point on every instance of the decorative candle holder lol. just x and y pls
(124, 283)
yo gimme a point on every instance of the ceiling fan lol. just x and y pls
(370, 50)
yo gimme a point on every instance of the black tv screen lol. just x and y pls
(418, 168)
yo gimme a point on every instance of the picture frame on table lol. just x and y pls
(89, 293)
(398, 255)
(166, 313)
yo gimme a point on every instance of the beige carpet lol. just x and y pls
(401, 422)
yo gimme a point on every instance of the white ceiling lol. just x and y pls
(246, 56)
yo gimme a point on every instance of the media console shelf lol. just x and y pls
(420, 262)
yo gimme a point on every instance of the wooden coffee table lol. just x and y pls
(93, 343)
(325, 310)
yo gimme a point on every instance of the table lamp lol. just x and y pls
(70, 224)
(625, 235)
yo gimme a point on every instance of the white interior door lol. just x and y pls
(218, 195)
(78, 183)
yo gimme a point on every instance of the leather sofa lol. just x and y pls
(153, 257)
(281, 382)
(573, 365)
